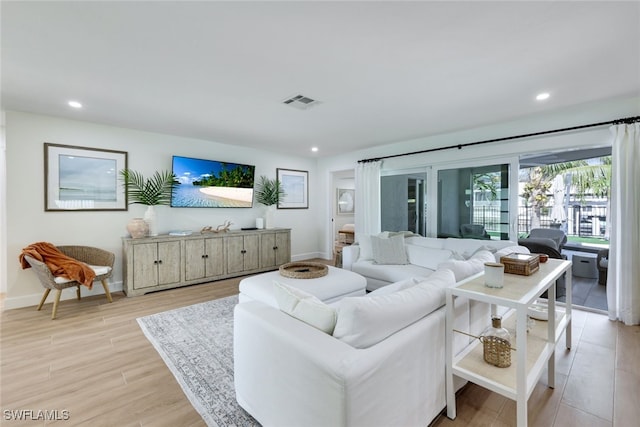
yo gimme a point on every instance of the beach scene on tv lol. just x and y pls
(212, 184)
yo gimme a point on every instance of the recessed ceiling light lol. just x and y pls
(75, 104)
(314, 149)
(542, 96)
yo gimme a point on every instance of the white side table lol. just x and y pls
(534, 349)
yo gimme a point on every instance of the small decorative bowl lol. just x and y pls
(543, 257)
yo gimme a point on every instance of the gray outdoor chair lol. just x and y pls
(99, 260)
(474, 231)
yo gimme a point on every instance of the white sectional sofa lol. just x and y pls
(423, 256)
(374, 360)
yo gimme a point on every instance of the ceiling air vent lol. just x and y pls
(300, 102)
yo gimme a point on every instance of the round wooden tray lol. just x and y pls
(303, 270)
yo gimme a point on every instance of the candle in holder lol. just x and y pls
(493, 274)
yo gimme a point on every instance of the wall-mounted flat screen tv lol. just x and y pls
(212, 184)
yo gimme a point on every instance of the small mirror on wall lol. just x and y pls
(345, 203)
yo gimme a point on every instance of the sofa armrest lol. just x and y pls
(349, 256)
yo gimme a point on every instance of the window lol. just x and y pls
(473, 202)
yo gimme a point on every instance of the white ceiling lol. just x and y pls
(382, 71)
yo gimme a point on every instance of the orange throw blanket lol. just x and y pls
(59, 263)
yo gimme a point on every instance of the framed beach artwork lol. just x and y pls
(296, 189)
(83, 179)
(345, 201)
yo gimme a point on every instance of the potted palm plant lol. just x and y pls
(150, 192)
(268, 192)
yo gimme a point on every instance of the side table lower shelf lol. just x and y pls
(471, 366)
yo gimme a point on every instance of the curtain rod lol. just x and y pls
(626, 120)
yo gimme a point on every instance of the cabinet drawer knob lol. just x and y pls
(243, 251)
(275, 247)
(159, 261)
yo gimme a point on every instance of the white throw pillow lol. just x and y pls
(389, 251)
(364, 241)
(510, 250)
(463, 269)
(483, 256)
(365, 321)
(305, 307)
(427, 257)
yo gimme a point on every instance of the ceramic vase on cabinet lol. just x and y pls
(268, 216)
(138, 228)
(150, 218)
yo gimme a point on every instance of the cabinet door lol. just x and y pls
(214, 259)
(195, 259)
(145, 267)
(168, 262)
(252, 249)
(267, 250)
(283, 249)
(235, 254)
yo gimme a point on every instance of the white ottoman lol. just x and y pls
(337, 284)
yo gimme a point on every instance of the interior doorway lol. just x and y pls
(342, 194)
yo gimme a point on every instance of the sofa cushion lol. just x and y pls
(467, 247)
(463, 269)
(388, 250)
(427, 242)
(305, 307)
(427, 257)
(397, 286)
(365, 321)
(389, 273)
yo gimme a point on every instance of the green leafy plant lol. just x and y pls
(156, 190)
(268, 191)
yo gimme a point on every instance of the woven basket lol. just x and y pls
(524, 265)
(497, 351)
(303, 270)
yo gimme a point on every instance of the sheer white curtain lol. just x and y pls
(367, 215)
(623, 279)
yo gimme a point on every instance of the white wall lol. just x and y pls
(27, 222)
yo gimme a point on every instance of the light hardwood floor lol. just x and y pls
(94, 362)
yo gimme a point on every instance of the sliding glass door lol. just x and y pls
(473, 202)
(403, 207)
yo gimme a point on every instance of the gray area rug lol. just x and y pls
(196, 343)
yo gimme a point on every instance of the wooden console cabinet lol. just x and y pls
(165, 262)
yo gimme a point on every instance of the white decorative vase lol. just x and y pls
(137, 228)
(268, 216)
(150, 218)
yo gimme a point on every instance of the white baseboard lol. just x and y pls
(34, 299)
(302, 257)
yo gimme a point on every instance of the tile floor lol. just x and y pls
(586, 291)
